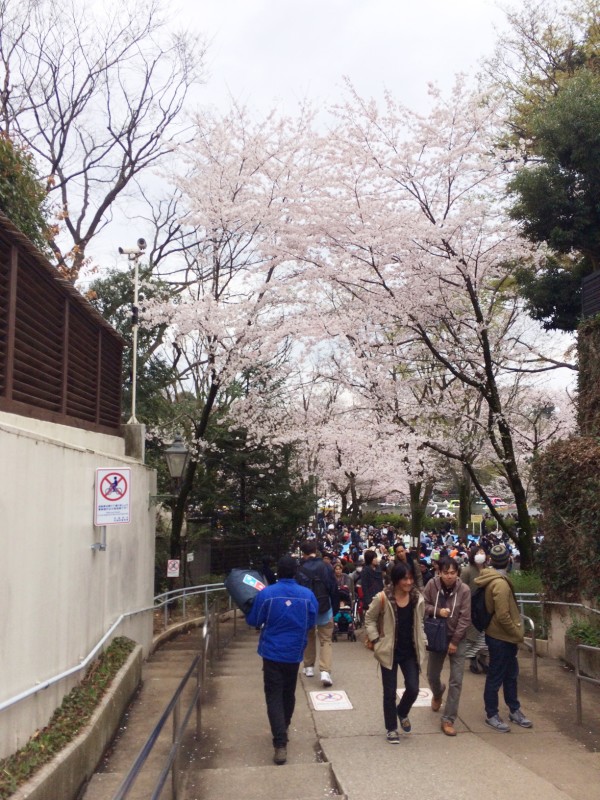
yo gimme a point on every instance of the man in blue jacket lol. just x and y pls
(285, 612)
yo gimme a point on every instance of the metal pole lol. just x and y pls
(175, 765)
(134, 330)
(534, 657)
(578, 685)
(184, 564)
(199, 698)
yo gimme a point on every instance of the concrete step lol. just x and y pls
(287, 782)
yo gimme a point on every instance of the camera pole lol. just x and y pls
(133, 254)
(134, 330)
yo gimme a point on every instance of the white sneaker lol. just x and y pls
(309, 672)
(326, 679)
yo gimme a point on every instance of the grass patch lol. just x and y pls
(72, 715)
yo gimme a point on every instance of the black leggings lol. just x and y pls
(389, 679)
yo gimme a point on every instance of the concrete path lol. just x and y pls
(344, 753)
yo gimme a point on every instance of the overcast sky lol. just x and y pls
(266, 51)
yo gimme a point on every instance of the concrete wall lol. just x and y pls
(58, 596)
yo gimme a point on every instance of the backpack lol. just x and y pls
(480, 616)
(317, 587)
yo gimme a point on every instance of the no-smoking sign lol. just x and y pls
(112, 505)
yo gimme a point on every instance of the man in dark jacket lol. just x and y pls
(286, 612)
(313, 572)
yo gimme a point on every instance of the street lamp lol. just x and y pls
(177, 456)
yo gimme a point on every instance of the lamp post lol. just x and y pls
(177, 456)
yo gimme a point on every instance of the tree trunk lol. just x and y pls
(420, 494)
(464, 511)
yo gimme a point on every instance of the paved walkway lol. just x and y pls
(344, 753)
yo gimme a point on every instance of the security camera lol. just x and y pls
(134, 251)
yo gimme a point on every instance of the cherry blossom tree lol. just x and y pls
(228, 329)
(410, 232)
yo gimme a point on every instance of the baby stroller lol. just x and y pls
(358, 609)
(343, 621)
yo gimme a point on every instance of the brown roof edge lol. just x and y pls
(18, 236)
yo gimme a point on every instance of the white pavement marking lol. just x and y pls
(423, 699)
(330, 701)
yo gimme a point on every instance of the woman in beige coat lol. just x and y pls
(394, 625)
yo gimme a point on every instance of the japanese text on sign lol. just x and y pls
(112, 496)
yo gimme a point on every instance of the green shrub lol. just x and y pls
(567, 476)
(527, 582)
(73, 714)
(584, 633)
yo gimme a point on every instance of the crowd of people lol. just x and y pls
(415, 604)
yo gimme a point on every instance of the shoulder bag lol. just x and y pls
(436, 630)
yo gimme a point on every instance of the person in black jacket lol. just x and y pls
(318, 576)
(371, 578)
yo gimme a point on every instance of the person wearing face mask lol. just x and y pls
(476, 651)
(449, 598)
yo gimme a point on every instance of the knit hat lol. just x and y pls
(499, 556)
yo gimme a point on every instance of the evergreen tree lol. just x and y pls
(22, 197)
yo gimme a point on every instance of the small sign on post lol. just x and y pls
(173, 568)
(112, 497)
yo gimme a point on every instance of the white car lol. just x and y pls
(445, 512)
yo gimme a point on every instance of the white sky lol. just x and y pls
(261, 51)
(279, 52)
(266, 53)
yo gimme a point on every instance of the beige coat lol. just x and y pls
(380, 622)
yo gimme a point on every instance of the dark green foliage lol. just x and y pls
(557, 199)
(250, 492)
(584, 633)
(588, 406)
(67, 721)
(113, 297)
(22, 197)
(553, 294)
(567, 477)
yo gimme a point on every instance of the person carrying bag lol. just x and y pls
(394, 626)
(447, 609)
(436, 630)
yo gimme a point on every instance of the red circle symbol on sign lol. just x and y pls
(113, 487)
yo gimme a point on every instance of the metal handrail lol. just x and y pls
(210, 644)
(165, 599)
(534, 655)
(203, 589)
(579, 677)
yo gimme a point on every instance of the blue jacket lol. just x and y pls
(286, 612)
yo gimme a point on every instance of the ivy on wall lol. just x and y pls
(588, 346)
(567, 476)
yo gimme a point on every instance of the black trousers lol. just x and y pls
(389, 679)
(280, 693)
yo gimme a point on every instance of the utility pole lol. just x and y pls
(133, 254)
